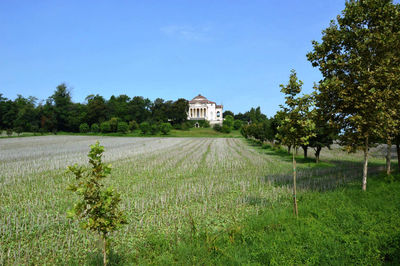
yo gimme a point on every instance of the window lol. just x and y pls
(218, 114)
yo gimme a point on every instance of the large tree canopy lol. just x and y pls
(359, 60)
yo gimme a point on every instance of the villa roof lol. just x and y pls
(200, 99)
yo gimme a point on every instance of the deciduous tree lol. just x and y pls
(297, 126)
(98, 207)
(353, 58)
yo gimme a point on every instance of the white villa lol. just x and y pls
(200, 108)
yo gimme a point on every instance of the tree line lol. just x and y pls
(357, 102)
(60, 113)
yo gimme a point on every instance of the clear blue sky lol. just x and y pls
(234, 52)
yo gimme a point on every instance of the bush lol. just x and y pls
(84, 128)
(105, 127)
(95, 128)
(204, 123)
(187, 125)
(123, 127)
(217, 127)
(165, 128)
(145, 127)
(9, 132)
(228, 121)
(237, 124)
(35, 129)
(133, 125)
(114, 124)
(226, 129)
(18, 130)
(177, 126)
(154, 129)
(42, 130)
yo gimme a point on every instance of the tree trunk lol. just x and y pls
(288, 149)
(317, 153)
(305, 149)
(295, 211)
(388, 156)
(104, 251)
(365, 170)
(398, 154)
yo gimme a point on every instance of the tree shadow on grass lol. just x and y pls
(324, 178)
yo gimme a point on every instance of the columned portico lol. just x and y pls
(200, 108)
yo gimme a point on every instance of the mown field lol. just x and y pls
(196, 201)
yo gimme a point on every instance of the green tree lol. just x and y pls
(84, 128)
(165, 128)
(95, 128)
(154, 129)
(61, 99)
(297, 127)
(105, 127)
(145, 127)
(139, 109)
(96, 109)
(133, 125)
(123, 127)
(114, 123)
(97, 207)
(237, 124)
(355, 59)
(228, 122)
(179, 111)
(119, 107)
(227, 112)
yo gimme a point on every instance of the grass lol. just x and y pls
(192, 132)
(197, 201)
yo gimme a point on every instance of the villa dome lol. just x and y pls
(200, 99)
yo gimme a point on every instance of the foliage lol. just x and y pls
(165, 128)
(325, 132)
(133, 125)
(18, 130)
(261, 131)
(217, 127)
(227, 112)
(154, 129)
(237, 124)
(98, 207)
(105, 127)
(61, 100)
(84, 128)
(123, 127)
(297, 126)
(9, 132)
(204, 123)
(359, 60)
(114, 124)
(228, 121)
(145, 128)
(187, 125)
(95, 128)
(226, 129)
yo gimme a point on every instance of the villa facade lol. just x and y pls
(200, 108)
